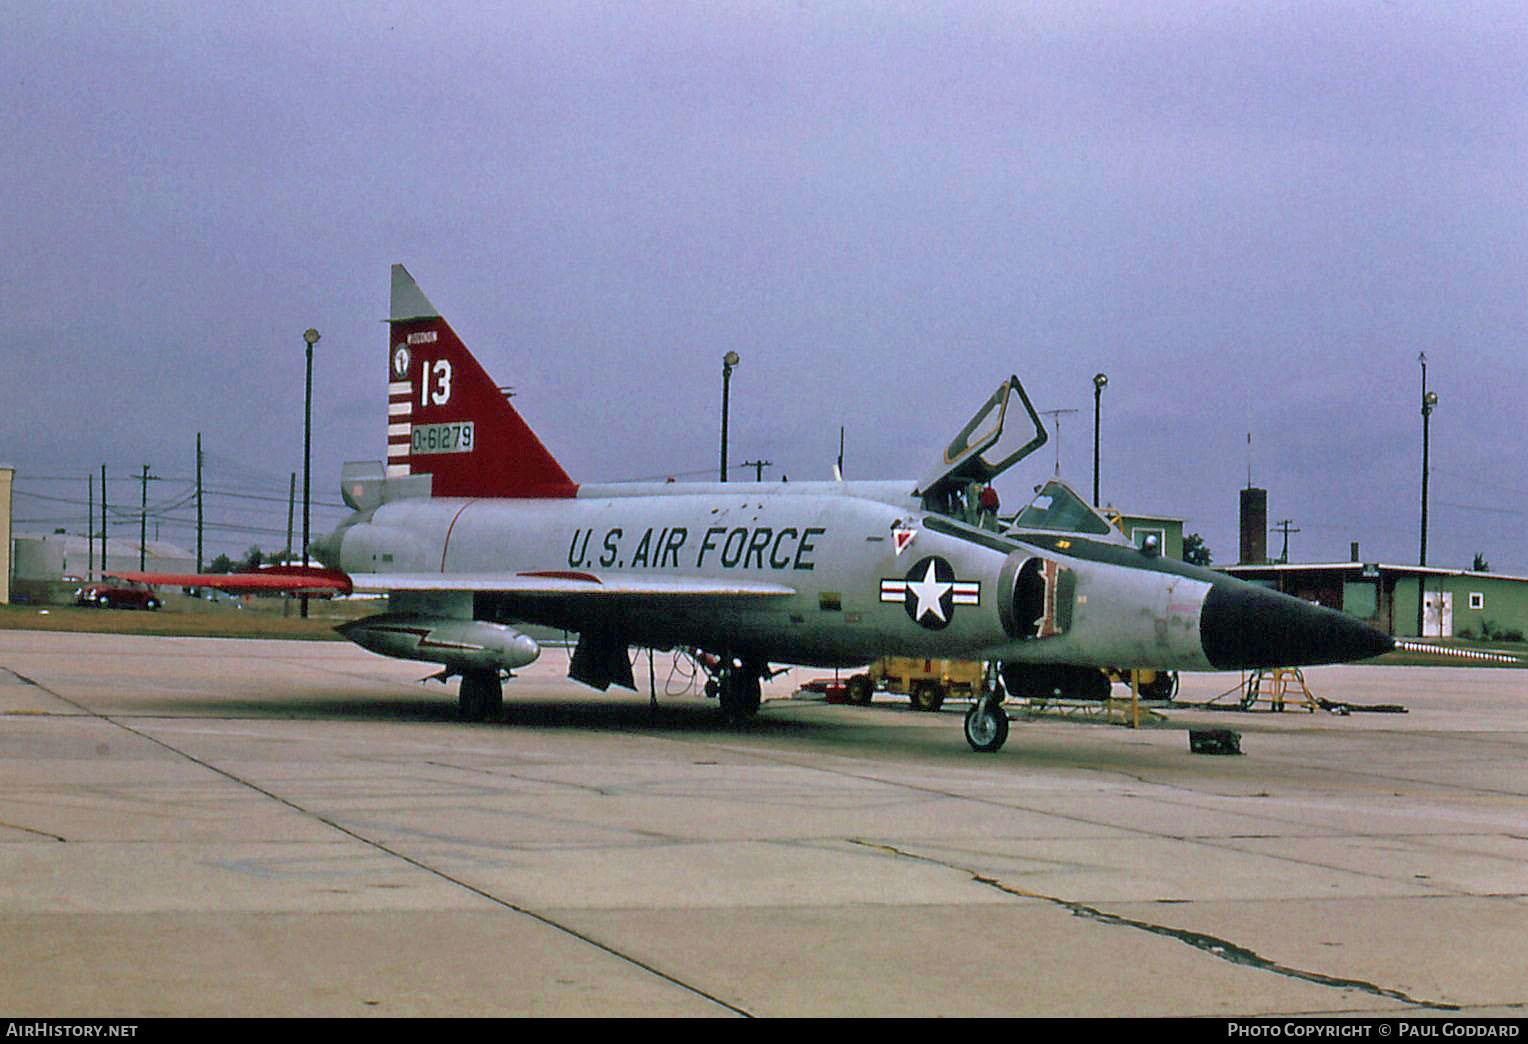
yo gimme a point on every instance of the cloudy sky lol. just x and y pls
(1252, 216)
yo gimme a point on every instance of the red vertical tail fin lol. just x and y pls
(446, 418)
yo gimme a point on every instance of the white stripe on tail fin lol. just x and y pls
(446, 417)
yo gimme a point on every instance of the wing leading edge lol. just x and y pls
(550, 583)
(563, 584)
(297, 580)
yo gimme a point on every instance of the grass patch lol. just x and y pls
(191, 618)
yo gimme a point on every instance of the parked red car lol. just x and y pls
(112, 593)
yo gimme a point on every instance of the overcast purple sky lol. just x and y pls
(1252, 216)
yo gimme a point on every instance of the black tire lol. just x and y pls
(741, 693)
(927, 696)
(860, 690)
(481, 697)
(986, 726)
(469, 700)
(1163, 687)
(1094, 685)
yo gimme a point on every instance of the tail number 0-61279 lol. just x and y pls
(442, 438)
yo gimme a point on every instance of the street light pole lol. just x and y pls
(310, 337)
(729, 360)
(1100, 381)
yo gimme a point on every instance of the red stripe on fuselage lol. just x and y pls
(446, 546)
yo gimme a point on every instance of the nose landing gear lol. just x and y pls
(987, 724)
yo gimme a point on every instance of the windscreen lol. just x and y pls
(1058, 509)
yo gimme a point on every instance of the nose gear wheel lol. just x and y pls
(986, 726)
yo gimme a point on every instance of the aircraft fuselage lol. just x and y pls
(870, 577)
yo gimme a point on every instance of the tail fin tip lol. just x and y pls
(408, 301)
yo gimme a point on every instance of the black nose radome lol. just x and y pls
(1243, 625)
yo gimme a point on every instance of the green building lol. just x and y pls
(1139, 528)
(1405, 599)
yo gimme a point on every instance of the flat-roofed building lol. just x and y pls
(1406, 599)
(49, 566)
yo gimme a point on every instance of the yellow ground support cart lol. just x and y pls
(927, 682)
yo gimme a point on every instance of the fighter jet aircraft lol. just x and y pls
(473, 530)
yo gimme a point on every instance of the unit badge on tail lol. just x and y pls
(929, 592)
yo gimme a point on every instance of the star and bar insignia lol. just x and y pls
(930, 592)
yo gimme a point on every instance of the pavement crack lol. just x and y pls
(1214, 946)
(32, 830)
(419, 864)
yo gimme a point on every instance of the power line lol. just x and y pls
(1488, 510)
(173, 502)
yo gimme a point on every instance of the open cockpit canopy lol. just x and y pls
(988, 445)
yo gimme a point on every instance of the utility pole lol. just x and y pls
(1284, 527)
(1429, 401)
(286, 600)
(103, 519)
(758, 467)
(198, 502)
(143, 523)
(90, 525)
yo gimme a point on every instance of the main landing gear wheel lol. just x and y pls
(740, 693)
(1163, 687)
(481, 697)
(986, 726)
